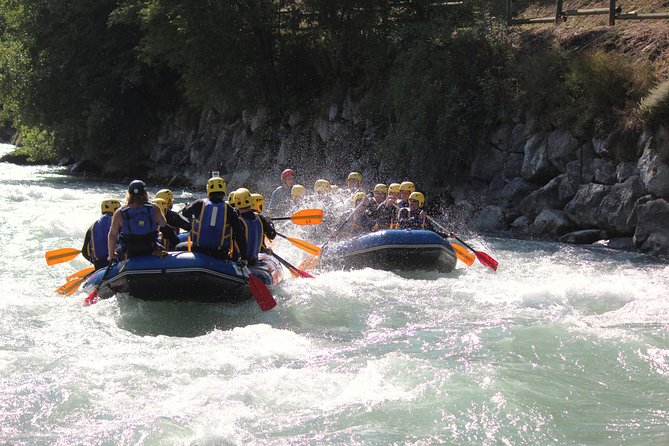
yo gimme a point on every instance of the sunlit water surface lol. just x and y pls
(562, 345)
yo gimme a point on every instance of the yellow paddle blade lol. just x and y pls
(309, 263)
(307, 217)
(71, 287)
(463, 254)
(305, 246)
(60, 255)
(81, 273)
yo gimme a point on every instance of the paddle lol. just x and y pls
(262, 295)
(61, 255)
(81, 273)
(93, 297)
(304, 217)
(71, 287)
(461, 253)
(484, 258)
(303, 245)
(309, 263)
(293, 270)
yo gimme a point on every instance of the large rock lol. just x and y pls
(582, 168)
(617, 208)
(604, 171)
(554, 195)
(490, 218)
(583, 237)
(652, 230)
(561, 147)
(537, 166)
(654, 173)
(515, 191)
(584, 208)
(551, 221)
(625, 170)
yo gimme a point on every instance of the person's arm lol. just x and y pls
(177, 220)
(85, 249)
(192, 209)
(268, 227)
(403, 218)
(272, 200)
(237, 232)
(113, 234)
(158, 215)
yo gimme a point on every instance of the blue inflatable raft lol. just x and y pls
(392, 249)
(182, 276)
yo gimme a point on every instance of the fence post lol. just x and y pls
(612, 12)
(558, 11)
(509, 12)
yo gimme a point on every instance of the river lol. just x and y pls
(562, 345)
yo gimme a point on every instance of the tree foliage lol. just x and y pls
(97, 75)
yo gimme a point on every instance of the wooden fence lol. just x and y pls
(614, 12)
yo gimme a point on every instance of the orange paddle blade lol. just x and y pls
(463, 254)
(305, 217)
(71, 287)
(81, 273)
(61, 255)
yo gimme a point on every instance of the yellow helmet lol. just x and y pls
(162, 204)
(408, 185)
(258, 202)
(381, 188)
(358, 197)
(109, 206)
(216, 184)
(419, 197)
(322, 186)
(243, 198)
(166, 195)
(394, 188)
(355, 176)
(298, 191)
(231, 198)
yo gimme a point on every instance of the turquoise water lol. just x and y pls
(562, 345)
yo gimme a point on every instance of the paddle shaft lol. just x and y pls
(303, 245)
(292, 268)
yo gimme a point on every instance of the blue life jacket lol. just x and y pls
(138, 221)
(253, 231)
(99, 236)
(211, 229)
(139, 231)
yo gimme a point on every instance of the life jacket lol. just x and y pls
(97, 248)
(211, 229)
(138, 230)
(407, 219)
(254, 233)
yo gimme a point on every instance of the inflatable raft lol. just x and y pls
(182, 276)
(392, 249)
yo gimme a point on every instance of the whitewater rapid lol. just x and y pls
(563, 344)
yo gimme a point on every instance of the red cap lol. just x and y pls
(287, 172)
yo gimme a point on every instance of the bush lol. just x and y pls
(653, 109)
(37, 144)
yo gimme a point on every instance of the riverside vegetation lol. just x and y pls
(552, 131)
